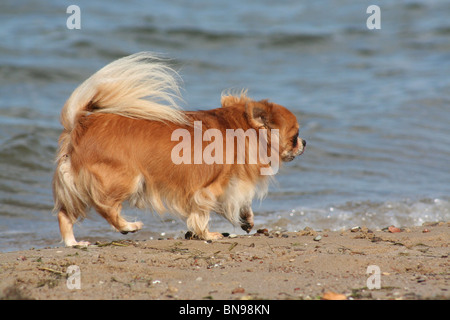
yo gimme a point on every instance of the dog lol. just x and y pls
(118, 145)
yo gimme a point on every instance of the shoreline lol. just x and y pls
(408, 263)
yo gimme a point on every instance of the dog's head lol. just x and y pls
(268, 115)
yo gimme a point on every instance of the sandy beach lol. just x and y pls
(406, 263)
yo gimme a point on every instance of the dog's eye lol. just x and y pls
(295, 140)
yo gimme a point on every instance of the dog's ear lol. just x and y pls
(229, 98)
(258, 113)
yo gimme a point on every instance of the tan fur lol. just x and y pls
(116, 146)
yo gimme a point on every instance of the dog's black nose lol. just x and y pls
(304, 142)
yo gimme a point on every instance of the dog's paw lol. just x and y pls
(206, 236)
(213, 236)
(132, 227)
(247, 226)
(78, 244)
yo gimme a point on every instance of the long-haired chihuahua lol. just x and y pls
(126, 139)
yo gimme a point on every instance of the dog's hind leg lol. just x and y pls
(112, 215)
(66, 229)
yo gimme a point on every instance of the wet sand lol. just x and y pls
(413, 263)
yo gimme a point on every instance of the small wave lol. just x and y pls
(32, 150)
(185, 36)
(376, 215)
(444, 31)
(289, 40)
(15, 74)
(204, 35)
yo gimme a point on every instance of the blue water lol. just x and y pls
(374, 105)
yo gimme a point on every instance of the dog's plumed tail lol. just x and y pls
(137, 86)
(140, 86)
